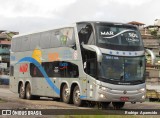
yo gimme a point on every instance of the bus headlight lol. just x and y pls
(102, 96)
(143, 97)
(104, 88)
(142, 90)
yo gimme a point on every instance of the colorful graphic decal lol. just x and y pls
(23, 68)
(63, 65)
(37, 55)
(66, 54)
(36, 59)
(48, 80)
(53, 56)
(36, 63)
(65, 35)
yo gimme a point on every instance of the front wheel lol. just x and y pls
(76, 97)
(118, 105)
(103, 105)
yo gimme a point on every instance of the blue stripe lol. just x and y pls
(83, 97)
(36, 63)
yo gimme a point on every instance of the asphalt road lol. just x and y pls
(12, 101)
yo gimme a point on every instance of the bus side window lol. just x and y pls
(34, 71)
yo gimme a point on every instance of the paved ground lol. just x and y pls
(11, 100)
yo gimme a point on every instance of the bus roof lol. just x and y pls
(92, 22)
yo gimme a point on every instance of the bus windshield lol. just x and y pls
(122, 69)
(118, 35)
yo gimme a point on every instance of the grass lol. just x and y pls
(2, 101)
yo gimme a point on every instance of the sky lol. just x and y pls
(25, 16)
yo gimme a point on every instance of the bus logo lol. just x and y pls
(109, 33)
(63, 66)
(125, 92)
(23, 68)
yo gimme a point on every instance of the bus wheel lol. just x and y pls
(65, 94)
(28, 92)
(76, 97)
(103, 105)
(118, 105)
(22, 92)
(153, 99)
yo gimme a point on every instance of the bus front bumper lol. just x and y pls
(105, 95)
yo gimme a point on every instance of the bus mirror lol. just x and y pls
(73, 46)
(83, 31)
(95, 49)
(84, 65)
(153, 57)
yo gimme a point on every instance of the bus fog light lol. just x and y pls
(103, 88)
(142, 90)
(143, 97)
(102, 96)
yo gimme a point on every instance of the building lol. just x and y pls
(5, 44)
(151, 39)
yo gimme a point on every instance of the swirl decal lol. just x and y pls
(118, 34)
(36, 63)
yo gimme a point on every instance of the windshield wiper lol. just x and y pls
(102, 78)
(114, 79)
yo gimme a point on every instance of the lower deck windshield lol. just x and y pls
(122, 69)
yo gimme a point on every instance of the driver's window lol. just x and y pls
(85, 31)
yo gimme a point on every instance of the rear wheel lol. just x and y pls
(118, 105)
(29, 96)
(22, 92)
(65, 94)
(76, 97)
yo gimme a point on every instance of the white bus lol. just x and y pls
(97, 62)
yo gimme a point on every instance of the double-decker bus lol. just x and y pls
(98, 62)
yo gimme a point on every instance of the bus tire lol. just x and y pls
(118, 105)
(103, 105)
(65, 94)
(29, 96)
(22, 93)
(76, 97)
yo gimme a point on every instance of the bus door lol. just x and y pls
(91, 65)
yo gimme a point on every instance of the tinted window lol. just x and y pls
(25, 43)
(34, 41)
(56, 69)
(85, 31)
(45, 40)
(118, 35)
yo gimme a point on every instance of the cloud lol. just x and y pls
(30, 8)
(33, 15)
(131, 2)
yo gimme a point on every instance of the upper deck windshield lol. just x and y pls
(118, 37)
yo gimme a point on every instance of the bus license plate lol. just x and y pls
(124, 98)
